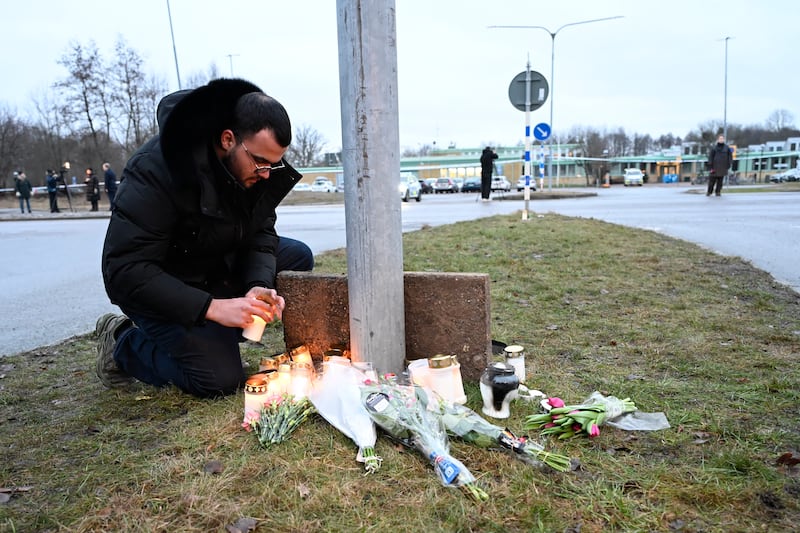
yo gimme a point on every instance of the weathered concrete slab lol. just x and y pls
(445, 313)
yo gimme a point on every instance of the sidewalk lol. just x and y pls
(7, 214)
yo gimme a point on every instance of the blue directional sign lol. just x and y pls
(541, 131)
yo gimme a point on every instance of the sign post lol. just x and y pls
(528, 91)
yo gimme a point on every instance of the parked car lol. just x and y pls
(409, 187)
(471, 185)
(425, 187)
(444, 185)
(302, 187)
(521, 183)
(633, 176)
(500, 183)
(459, 182)
(789, 175)
(323, 185)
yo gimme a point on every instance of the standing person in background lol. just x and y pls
(487, 167)
(23, 191)
(92, 188)
(110, 182)
(52, 190)
(720, 159)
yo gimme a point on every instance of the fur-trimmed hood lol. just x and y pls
(188, 120)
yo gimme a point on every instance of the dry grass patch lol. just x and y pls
(711, 341)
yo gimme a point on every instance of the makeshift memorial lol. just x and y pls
(463, 422)
(567, 421)
(395, 409)
(337, 397)
(278, 418)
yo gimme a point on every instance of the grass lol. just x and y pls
(709, 340)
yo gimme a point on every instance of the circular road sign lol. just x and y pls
(541, 131)
(538, 87)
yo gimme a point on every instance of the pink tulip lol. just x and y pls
(550, 425)
(594, 430)
(555, 402)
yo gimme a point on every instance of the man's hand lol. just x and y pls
(238, 312)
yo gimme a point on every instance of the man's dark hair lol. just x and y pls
(257, 111)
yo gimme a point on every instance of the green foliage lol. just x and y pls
(708, 340)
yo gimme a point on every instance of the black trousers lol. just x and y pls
(53, 202)
(714, 185)
(486, 186)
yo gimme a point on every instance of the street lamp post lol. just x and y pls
(552, 74)
(174, 50)
(230, 59)
(725, 99)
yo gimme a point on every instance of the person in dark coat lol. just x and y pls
(720, 159)
(487, 167)
(52, 190)
(191, 252)
(92, 188)
(110, 183)
(23, 189)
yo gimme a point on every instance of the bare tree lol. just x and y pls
(199, 78)
(134, 95)
(641, 144)
(780, 120)
(593, 145)
(618, 143)
(85, 101)
(307, 147)
(422, 151)
(51, 129)
(11, 142)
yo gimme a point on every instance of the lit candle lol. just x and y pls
(255, 393)
(273, 388)
(284, 378)
(267, 364)
(255, 329)
(301, 380)
(301, 355)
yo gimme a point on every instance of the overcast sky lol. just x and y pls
(660, 69)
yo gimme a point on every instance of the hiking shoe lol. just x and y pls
(106, 331)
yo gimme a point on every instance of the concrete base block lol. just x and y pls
(445, 313)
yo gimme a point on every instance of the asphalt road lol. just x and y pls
(52, 289)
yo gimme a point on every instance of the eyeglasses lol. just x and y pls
(263, 168)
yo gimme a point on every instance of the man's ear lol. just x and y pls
(227, 139)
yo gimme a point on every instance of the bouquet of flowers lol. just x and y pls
(337, 398)
(567, 421)
(468, 425)
(278, 418)
(397, 410)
